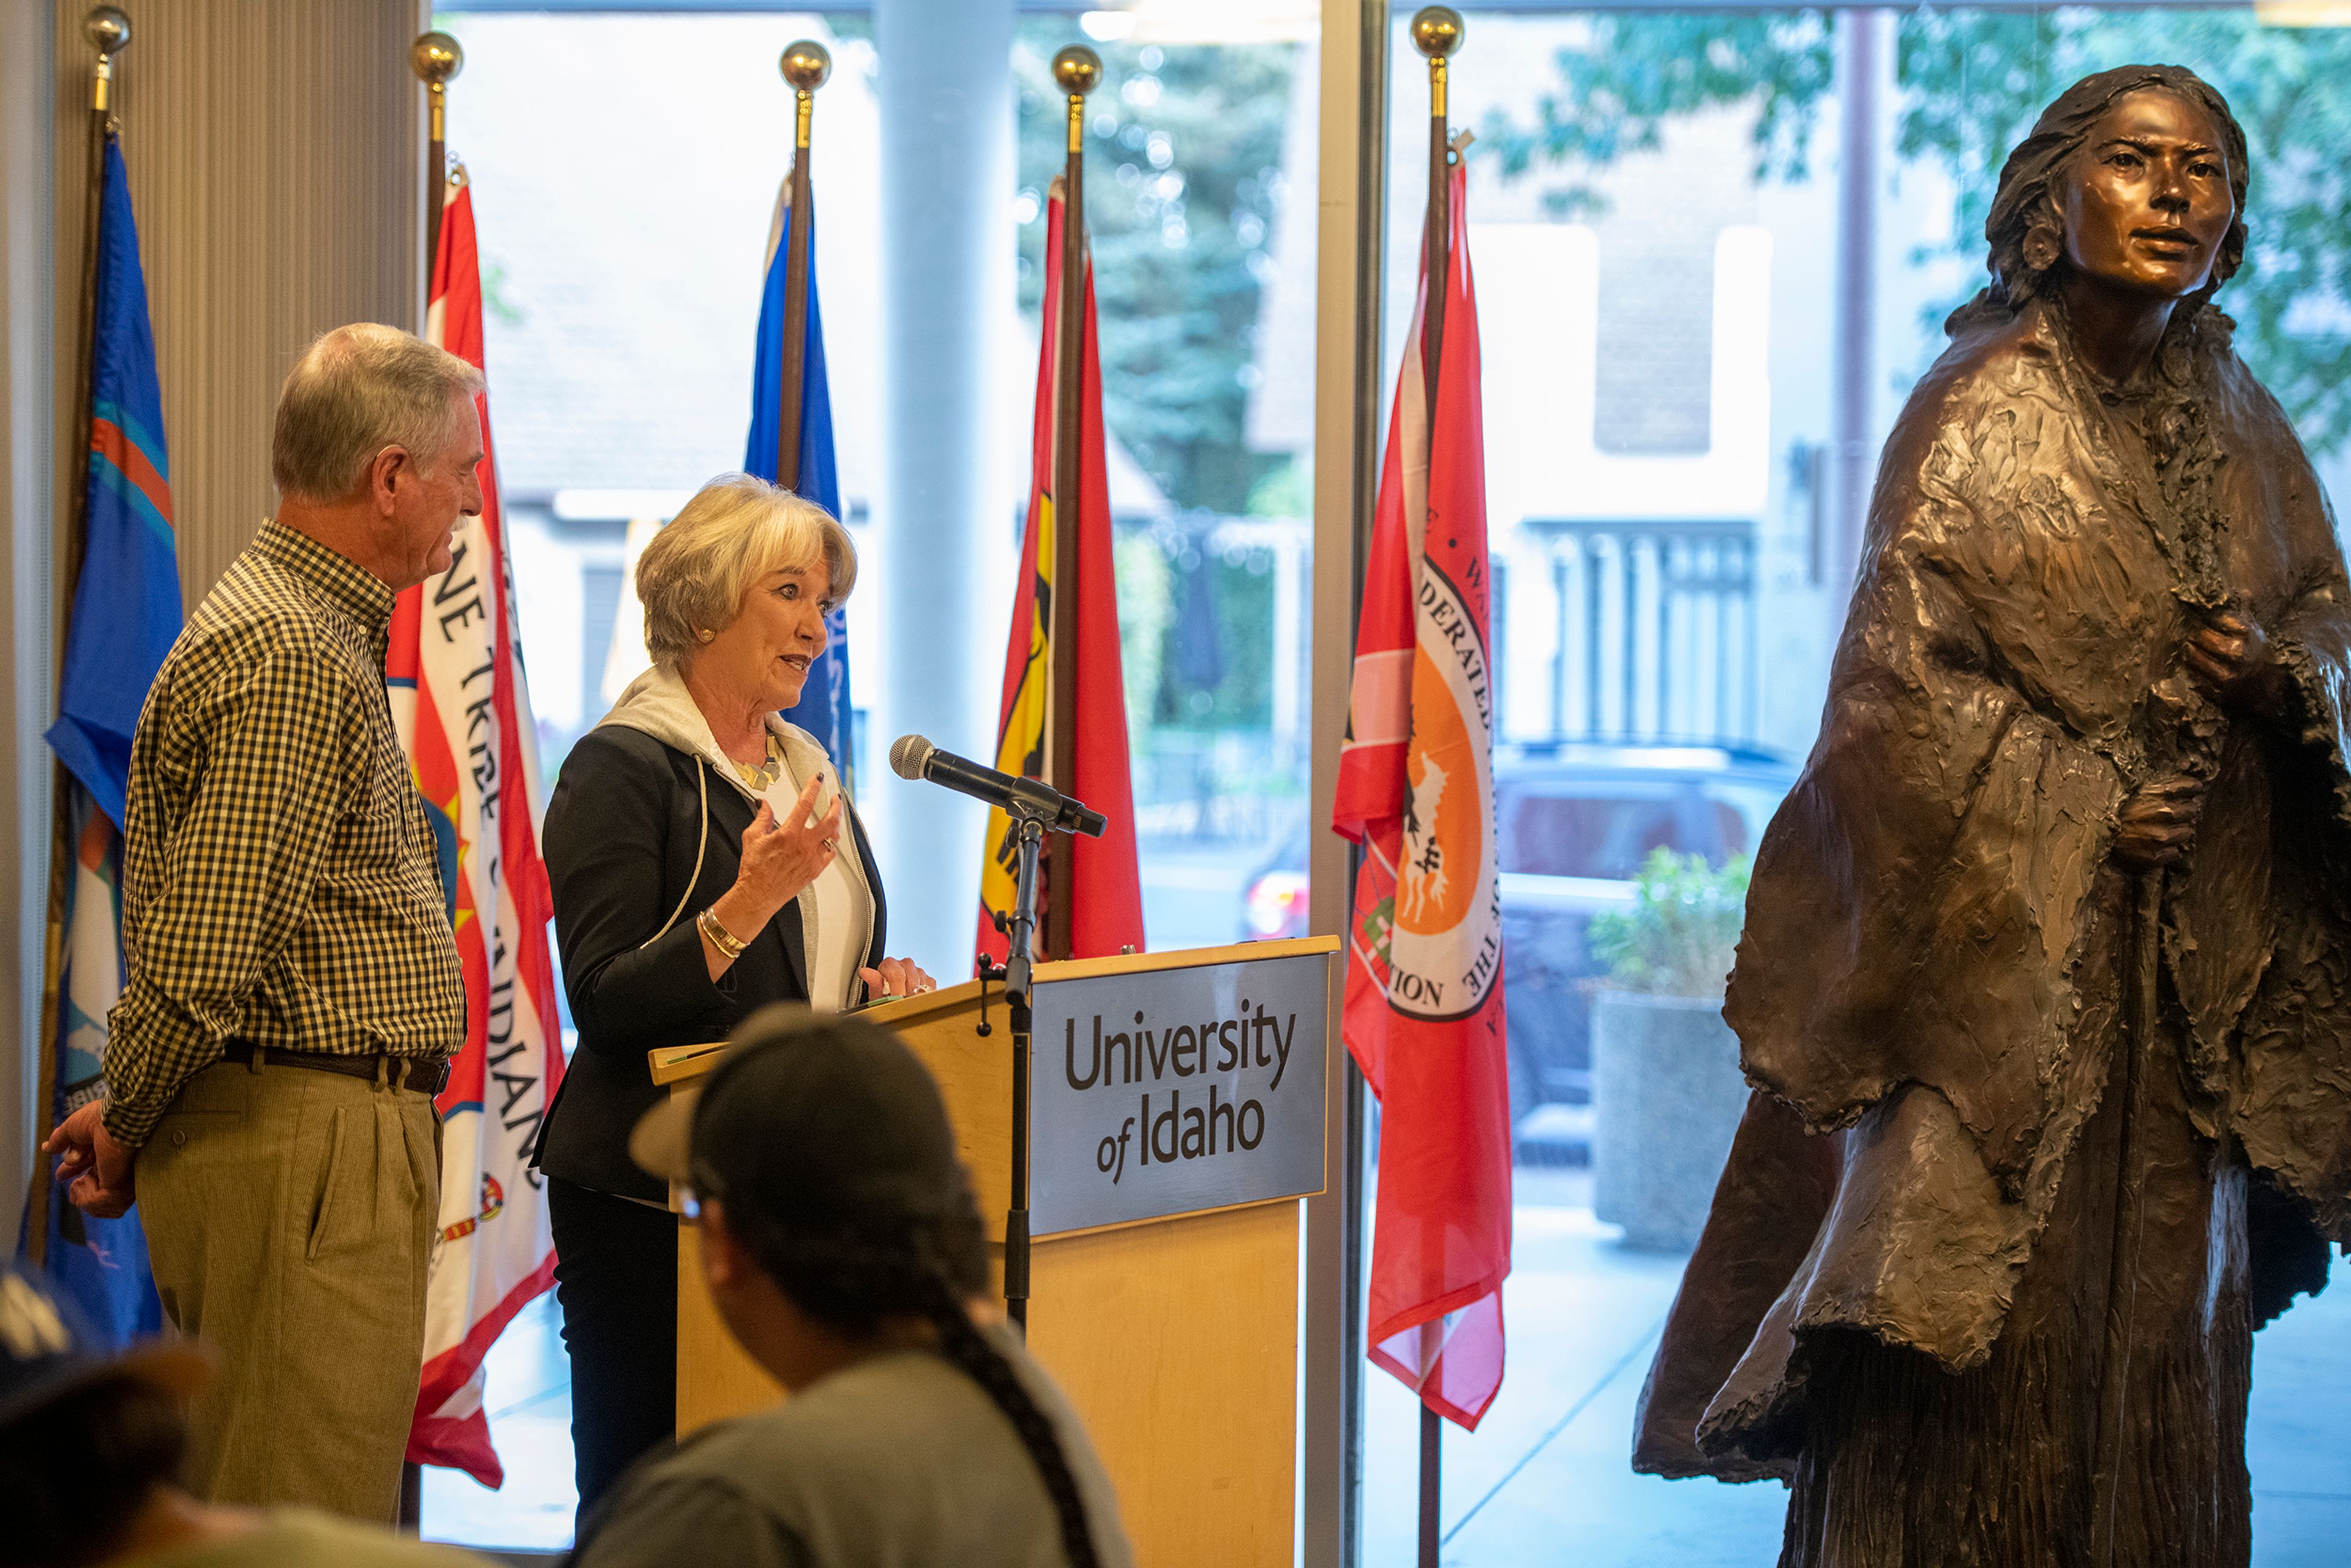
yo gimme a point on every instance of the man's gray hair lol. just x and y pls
(356, 391)
(693, 574)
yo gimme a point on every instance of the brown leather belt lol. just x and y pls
(424, 1074)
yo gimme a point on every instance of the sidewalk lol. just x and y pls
(1546, 1478)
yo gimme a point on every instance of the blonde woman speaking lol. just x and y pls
(705, 864)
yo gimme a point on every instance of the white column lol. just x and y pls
(949, 465)
(1864, 64)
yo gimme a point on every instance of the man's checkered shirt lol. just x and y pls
(279, 881)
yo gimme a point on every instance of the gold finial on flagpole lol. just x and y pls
(108, 32)
(1437, 32)
(437, 59)
(1078, 71)
(805, 65)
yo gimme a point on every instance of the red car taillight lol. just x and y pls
(1276, 904)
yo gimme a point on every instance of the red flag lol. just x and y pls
(1424, 1000)
(1106, 898)
(455, 676)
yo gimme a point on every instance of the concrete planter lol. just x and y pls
(1666, 1095)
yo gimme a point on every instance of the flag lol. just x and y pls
(1423, 1011)
(824, 709)
(1106, 898)
(455, 676)
(126, 611)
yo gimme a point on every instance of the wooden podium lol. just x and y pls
(1174, 1334)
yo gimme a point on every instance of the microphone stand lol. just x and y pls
(1029, 824)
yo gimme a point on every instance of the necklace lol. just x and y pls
(760, 774)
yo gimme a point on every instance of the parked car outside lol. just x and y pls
(1574, 822)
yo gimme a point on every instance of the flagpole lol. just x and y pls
(1079, 71)
(805, 66)
(108, 32)
(437, 59)
(1437, 34)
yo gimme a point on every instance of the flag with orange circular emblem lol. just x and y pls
(1424, 998)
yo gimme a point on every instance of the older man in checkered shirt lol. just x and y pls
(294, 991)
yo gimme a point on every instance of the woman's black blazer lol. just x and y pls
(619, 845)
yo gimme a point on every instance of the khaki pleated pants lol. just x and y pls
(290, 1217)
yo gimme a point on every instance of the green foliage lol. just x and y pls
(1183, 180)
(1972, 82)
(1146, 605)
(1630, 72)
(1241, 588)
(1287, 491)
(1678, 937)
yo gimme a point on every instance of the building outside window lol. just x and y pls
(1680, 348)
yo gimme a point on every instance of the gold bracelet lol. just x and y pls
(729, 947)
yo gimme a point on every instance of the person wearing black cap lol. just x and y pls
(843, 1248)
(92, 1447)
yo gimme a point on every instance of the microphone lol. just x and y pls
(914, 757)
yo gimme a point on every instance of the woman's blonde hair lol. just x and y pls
(693, 574)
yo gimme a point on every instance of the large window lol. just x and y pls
(1655, 201)
(622, 259)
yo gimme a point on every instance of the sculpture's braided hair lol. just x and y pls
(894, 1240)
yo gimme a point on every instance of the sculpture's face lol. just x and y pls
(2149, 202)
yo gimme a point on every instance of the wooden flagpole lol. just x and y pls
(1079, 71)
(108, 32)
(436, 59)
(1437, 34)
(805, 66)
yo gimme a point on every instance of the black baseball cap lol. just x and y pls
(48, 1350)
(821, 1122)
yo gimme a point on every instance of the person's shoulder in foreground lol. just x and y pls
(902, 1460)
(298, 1538)
(91, 1444)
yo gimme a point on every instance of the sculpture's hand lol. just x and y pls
(2233, 656)
(2155, 825)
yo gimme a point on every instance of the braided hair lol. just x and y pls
(884, 1226)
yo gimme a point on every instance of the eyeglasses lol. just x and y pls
(700, 1182)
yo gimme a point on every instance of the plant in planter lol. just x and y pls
(1667, 1090)
(1677, 939)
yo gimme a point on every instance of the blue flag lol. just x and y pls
(824, 709)
(126, 613)
(126, 609)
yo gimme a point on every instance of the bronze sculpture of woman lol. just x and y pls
(2046, 985)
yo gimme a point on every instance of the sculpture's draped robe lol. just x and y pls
(1933, 990)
